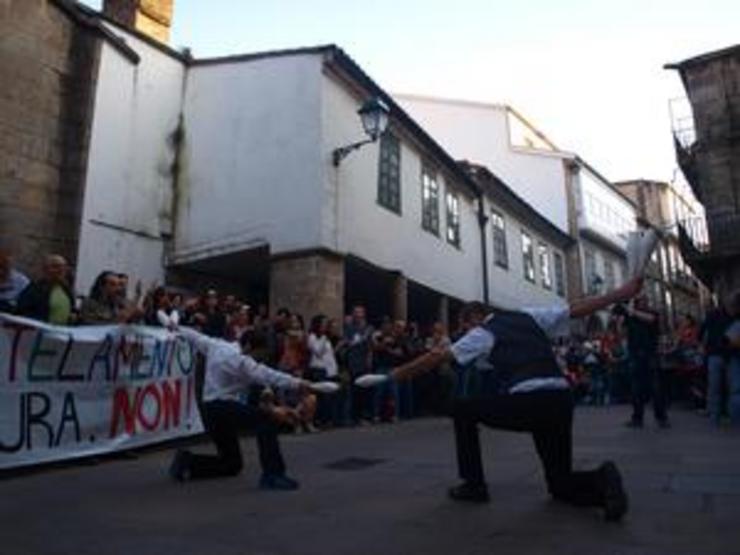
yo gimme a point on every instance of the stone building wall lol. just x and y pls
(713, 88)
(47, 71)
(309, 285)
(151, 17)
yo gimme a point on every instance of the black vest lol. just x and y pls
(522, 351)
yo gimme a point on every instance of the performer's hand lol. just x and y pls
(304, 387)
(284, 415)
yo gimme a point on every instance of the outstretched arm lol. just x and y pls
(589, 305)
(200, 341)
(264, 375)
(421, 365)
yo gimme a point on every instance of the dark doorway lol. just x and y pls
(423, 306)
(370, 286)
(245, 274)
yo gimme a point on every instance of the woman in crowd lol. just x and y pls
(595, 366)
(322, 366)
(294, 360)
(434, 389)
(105, 304)
(158, 309)
(239, 324)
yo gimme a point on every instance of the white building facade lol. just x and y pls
(219, 173)
(571, 194)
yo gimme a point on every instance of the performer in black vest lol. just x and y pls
(528, 394)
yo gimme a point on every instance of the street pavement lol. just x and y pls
(381, 490)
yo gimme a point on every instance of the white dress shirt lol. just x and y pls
(322, 354)
(170, 320)
(478, 343)
(229, 372)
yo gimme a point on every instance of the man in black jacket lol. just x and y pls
(648, 381)
(50, 298)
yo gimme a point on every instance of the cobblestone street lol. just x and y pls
(381, 490)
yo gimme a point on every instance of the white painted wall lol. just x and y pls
(480, 133)
(252, 158)
(378, 235)
(128, 176)
(256, 169)
(508, 286)
(602, 210)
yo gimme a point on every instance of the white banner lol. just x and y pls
(68, 392)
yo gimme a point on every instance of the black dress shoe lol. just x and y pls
(473, 493)
(615, 498)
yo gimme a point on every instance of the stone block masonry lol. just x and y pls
(48, 65)
(309, 284)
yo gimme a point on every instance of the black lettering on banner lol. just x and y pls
(38, 350)
(101, 357)
(38, 417)
(186, 367)
(69, 414)
(61, 376)
(159, 358)
(139, 370)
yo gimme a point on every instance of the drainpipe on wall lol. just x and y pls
(482, 221)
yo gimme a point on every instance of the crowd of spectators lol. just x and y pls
(327, 349)
(698, 363)
(599, 366)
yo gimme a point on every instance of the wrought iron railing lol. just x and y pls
(682, 121)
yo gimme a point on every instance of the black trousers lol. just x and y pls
(224, 420)
(647, 383)
(548, 416)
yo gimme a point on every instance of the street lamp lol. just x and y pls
(374, 117)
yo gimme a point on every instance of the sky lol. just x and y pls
(589, 74)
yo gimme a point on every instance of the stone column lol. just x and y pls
(574, 285)
(308, 284)
(400, 297)
(444, 311)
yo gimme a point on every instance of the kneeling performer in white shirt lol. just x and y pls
(229, 373)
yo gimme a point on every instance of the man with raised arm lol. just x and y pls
(528, 394)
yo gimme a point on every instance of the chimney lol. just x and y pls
(150, 17)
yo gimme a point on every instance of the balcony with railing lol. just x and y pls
(685, 142)
(694, 245)
(684, 280)
(706, 246)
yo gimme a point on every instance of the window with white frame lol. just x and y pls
(453, 218)
(559, 274)
(528, 257)
(610, 280)
(500, 252)
(429, 201)
(544, 255)
(593, 281)
(389, 173)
